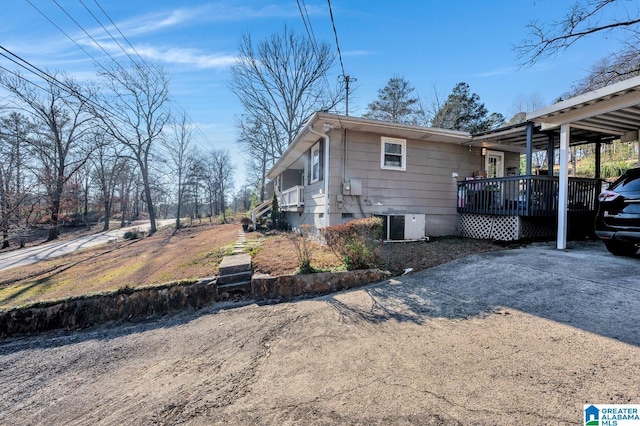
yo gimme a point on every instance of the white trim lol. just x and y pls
(314, 148)
(563, 186)
(403, 154)
(486, 162)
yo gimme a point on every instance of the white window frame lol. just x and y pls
(499, 172)
(315, 151)
(403, 155)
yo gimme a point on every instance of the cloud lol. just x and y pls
(216, 12)
(187, 56)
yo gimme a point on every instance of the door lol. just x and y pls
(494, 164)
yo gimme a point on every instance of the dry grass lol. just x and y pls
(195, 252)
(277, 255)
(166, 256)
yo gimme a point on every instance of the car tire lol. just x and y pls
(621, 248)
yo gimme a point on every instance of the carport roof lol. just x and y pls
(602, 115)
(613, 110)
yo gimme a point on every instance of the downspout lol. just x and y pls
(325, 137)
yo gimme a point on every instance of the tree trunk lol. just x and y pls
(149, 201)
(107, 215)
(5, 239)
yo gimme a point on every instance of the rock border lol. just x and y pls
(128, 303)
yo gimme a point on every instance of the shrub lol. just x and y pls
(302, 243)
(133, 234)
(357, 243)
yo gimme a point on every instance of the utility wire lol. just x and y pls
(106, 30)
(23, 63)
(198, 129)
(86, 32)
(312, 38)
(335, 32)
(204, 136)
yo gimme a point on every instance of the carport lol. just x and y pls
(597, 117)
(612, 112)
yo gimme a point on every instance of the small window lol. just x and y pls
(393, 154)
(315, 163)
(347, 215)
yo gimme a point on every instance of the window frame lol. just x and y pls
(403, 155)
(312, 178)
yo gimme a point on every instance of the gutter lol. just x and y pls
(325, 137)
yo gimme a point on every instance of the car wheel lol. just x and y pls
(620, 248)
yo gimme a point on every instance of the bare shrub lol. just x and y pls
(357, 243)
(302, 243)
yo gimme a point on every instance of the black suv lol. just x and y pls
(618, 220)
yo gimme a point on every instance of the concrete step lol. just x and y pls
(241, 287)
(234, 264)
(234, 278)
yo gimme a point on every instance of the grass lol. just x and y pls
(196, 252)
(167, 256)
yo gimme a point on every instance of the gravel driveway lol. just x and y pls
(513, 337)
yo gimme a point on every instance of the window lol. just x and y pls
(393, 154)
(315, 163)
(315, 170)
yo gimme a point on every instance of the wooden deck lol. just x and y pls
(526, 196)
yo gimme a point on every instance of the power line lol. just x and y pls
(86, 32)
(335, 32)
(23, 63)
(345, 77)
(198, 129)
(312, 38)
(120, 32)
(105, 30)
(204, 136)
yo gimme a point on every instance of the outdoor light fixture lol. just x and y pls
(484, 151)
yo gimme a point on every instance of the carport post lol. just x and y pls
(563, 187)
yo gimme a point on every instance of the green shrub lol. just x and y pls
(357, 243)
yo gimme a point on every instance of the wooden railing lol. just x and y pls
(292, 197)
(525, 196)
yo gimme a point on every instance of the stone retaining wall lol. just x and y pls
(288, 286)
(126, 304)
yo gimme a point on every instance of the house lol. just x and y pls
(340, 168)
(424, 181)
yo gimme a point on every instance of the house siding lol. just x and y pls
(425, 187)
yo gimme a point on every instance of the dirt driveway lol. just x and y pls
(513, 337)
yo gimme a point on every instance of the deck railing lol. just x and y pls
(292, 197)
(526, 196)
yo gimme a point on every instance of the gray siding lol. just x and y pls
(425, 187)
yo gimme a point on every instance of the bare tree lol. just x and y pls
(584, 19)
(14, 132)
(521, 105)
(108, 165)
(256, 137)
(281, 81)
(63, 121)
(178, 147)
(140, 95)
(220, 170)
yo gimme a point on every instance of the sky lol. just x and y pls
(432, 44)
